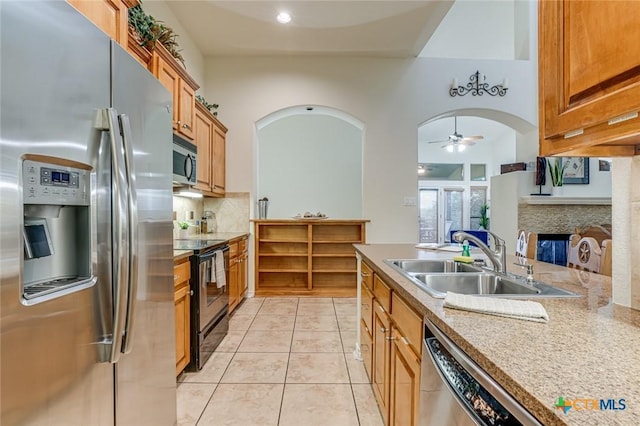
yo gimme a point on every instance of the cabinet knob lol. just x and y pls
(186, 126)
(389, 339)
(178, 122)
(383, 330)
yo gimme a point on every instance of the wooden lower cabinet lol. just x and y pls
(391, 348)
(381, 351)
(238, 272)
(404, 386)
(182, 304)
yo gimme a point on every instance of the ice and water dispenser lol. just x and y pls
(56, 227)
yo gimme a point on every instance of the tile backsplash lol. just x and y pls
(231, 212)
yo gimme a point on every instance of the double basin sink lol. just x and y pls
(437, 277)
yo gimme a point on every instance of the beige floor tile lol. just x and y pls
(278, 308)
(318, 405)
(368, 411)
(316, 341)
(340, 300)
(312, 300)
(264, 322)
(212, 371)
(357, 373)
(243, 405)
(257, 368)
(317, 368)
(316, 309)
(345, 309)
(240, 322)
(348, 341)
(347, 323)
(316, 323)
(191, 400)
(231, 341)
(249, 307)
(266, 341)
(283, 299)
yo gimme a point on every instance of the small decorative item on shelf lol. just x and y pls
(211, 107)
(556, 170)
(309, 215)
(263, 206)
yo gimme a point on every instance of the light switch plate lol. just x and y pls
(409, 201)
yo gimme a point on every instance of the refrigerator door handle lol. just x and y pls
(120, 230)
(132, 216)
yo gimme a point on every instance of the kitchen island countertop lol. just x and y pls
(590, 348)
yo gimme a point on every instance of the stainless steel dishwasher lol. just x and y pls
(455, 391)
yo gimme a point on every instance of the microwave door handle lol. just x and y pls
(132, 219)
(120, 238)
(188, 167)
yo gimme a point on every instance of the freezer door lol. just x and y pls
(54, 77)
(145, 376)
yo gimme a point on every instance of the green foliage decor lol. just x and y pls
(211, 107)
(149, 30)
(556, 170)
(484, 219)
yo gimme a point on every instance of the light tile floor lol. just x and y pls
(286, 361)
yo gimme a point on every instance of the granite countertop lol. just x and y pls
(590, 348)
(181, 254)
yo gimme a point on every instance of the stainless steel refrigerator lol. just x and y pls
(86, 289)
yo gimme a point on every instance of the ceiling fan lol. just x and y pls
(456, 141)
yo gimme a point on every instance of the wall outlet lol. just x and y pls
(409, 201)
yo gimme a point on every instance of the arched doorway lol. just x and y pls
(309, 159)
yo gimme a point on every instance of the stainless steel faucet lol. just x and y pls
(497, 255)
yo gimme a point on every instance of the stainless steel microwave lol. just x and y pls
(184, 161)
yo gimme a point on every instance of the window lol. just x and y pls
(441, 171)
(478, 172)
(428, 206)
(453, 211)
(477, 199)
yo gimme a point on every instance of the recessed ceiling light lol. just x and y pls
(283, 18)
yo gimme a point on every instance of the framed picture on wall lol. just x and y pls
(576, 171)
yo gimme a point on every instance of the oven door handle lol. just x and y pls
(209, 255)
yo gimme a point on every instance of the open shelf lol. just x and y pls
(308, 258)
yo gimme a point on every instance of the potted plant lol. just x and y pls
(484, 219)
(183, 229)
(556, 171)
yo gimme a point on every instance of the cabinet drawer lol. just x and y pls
(366, 308)
(242, 245)
(233, 249)
(408, 322)
(382, 292)
(367, 275)
(181, 272)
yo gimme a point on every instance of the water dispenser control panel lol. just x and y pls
(45, 183)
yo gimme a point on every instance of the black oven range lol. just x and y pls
(209, 296)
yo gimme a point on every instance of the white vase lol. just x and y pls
(557, 191)
(183, 233)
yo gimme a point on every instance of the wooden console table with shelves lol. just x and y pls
(307, 257)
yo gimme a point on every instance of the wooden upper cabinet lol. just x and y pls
(203, 135)
(111, 16)
(181, 85)
(218, 185)
(186, 111)
(589, 77)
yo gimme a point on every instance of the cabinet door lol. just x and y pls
(366, 307)
(244, 275)
(234, 295)
(404, 392)
(182, 315)
(111, 16)
(169, 79)
(186, 113)
(589, 72)
(366, 349)
(203, 142)
(219, 155)
(381, 348)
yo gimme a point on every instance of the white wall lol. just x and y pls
(192, 57)
(311, 163)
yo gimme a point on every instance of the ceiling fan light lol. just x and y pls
(449, 148)
(461, 148)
